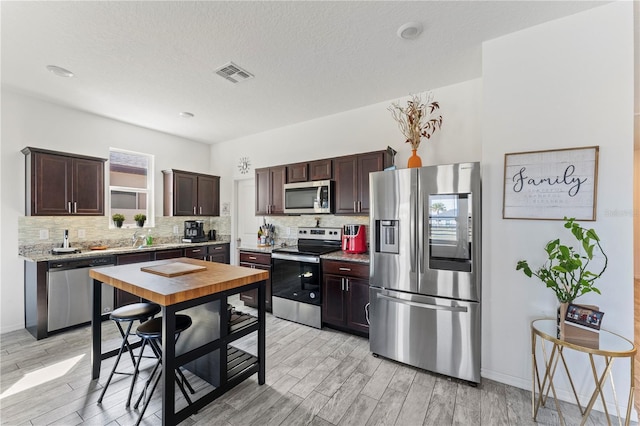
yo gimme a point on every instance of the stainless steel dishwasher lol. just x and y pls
(70, 291)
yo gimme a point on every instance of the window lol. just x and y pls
(131, 185)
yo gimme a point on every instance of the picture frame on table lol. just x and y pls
(584, 316)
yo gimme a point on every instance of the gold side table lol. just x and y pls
(610, 347)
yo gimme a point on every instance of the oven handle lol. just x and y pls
(296, 257)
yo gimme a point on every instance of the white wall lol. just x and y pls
(30, 122)
(566, 83)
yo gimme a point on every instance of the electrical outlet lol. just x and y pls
(44, 234)
(81, 233)
(176, 230)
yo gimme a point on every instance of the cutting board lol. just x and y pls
(173, 269)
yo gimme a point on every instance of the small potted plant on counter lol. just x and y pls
(140, 218)
(118, 219)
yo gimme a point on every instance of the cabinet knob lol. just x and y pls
(252, 258)
(69, 206)
(196, 250)
(346, 269)
(200, 209)
(194, 210)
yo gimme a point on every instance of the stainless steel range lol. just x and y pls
(295, 275)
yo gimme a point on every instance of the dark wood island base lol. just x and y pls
(175, 294)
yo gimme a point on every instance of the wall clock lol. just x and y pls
(243, 165)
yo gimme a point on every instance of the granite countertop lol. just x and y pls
(336, 255)
(86, 253)
(347, 257)
(258, 249)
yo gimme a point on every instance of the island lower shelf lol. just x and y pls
(239, 360)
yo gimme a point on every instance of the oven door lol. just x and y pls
(296, 277)
(295, 287)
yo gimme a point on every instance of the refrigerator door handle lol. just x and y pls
(412, 230)
(366, 312)
(424, 305)
(421, 237)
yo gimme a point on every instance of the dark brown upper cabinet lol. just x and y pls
(191, 194)
(320, 170)
(270, 190)
(62, 184)
(298, 172)
(352, 181)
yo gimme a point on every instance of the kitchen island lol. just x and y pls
(215, 283)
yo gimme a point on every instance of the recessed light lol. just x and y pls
(410, 30)
(59, 71)
(185, 114)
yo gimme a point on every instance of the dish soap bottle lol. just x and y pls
(149, 239)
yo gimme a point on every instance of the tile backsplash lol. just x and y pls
(286, 227)
(86, 231)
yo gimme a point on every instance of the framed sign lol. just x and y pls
(551, 184)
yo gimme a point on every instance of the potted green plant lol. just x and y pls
(566, 269)
(118, 219)
(140, 218)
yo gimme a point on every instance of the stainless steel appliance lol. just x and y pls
(308, 197)
(70, 294)
(295, 275)
(194, 232)
(425, 268)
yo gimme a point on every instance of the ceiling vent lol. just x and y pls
(233, 73)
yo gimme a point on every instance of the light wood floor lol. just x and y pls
(317, 377)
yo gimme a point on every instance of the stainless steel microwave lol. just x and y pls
(308, 197)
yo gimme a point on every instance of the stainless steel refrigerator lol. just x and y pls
(425, 268)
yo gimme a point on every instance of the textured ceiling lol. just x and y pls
(144, 62)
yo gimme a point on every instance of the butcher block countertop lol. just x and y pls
(165, 291)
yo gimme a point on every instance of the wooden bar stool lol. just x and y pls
(151, 333)
(128, 314)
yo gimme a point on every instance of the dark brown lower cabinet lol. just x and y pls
(122, 297)
(169, 254)
(262, 261)
(345, 295)
(219, 253)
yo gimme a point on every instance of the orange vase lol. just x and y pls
(414, 160)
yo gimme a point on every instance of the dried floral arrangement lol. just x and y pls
(410, 119)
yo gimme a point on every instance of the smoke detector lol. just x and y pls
(233, 73)
(410, 30)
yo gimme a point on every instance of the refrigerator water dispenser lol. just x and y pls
(387, 236)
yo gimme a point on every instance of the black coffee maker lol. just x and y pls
(194, 231)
